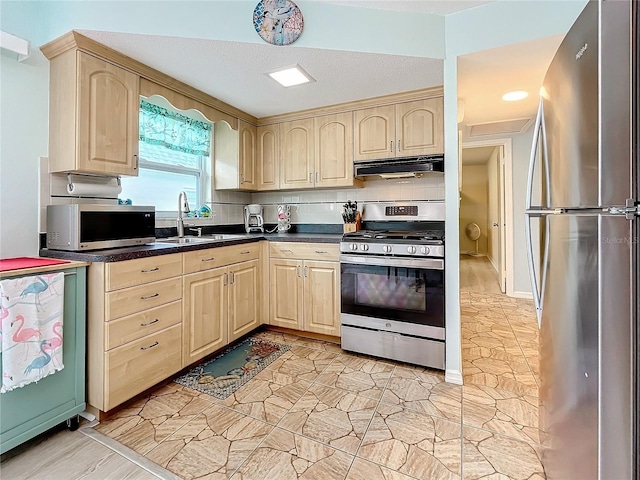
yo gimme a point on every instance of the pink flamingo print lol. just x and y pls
(39, 362)
(55, 342)
(24, 334)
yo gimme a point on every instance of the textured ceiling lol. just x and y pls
(235, 72)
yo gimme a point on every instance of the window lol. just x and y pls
(173, 157)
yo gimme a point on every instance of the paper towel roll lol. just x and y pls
(103, 190)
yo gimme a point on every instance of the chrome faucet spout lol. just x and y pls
(183, 207)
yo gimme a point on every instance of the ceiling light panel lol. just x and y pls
(515, 96)
(291, 76)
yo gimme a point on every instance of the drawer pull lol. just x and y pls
(306, 270)
(286, 251)
(321, 252)
(150, 323)
(154, 344)
(150, 270)
(245, 252)
(150, 296)
(209, 259)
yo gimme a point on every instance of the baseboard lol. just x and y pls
(493, 263)
(473, 253)
(453, 376)
(527, 295)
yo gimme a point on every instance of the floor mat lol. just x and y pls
(226, 373)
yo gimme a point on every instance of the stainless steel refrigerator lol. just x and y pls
(582, 218)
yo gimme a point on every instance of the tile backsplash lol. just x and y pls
(325, 206)
(307, 206)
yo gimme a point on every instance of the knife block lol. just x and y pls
(352, 227)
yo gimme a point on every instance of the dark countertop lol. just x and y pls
(159, 248)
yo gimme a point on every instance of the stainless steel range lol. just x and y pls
(392, 283)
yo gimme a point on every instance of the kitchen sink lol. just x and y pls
(196, 240)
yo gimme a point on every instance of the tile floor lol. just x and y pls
(320, 413)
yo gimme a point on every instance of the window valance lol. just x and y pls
(159, 126)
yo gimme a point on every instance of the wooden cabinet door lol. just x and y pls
(267, 158)
(204, 316)
(244, 298)
(286, 293)
(374, 133)
(420, 127)
(107, 118)
(247, 156)
(334, 150)
(296, 159)
(322, 297)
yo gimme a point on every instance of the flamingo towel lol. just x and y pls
(31, 309)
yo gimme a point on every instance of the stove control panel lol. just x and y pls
(404, 250)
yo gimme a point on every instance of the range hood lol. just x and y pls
(400, 167)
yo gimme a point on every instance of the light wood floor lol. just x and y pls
(478, 275)
(60, 454)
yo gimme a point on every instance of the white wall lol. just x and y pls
(474, 206)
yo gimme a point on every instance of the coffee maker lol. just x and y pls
(253, 219)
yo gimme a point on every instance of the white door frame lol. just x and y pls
(505, 143)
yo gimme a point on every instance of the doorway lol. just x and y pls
(484, 201)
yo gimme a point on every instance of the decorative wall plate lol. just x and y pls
(278, 22)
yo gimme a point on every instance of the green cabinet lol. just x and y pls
(28, 411)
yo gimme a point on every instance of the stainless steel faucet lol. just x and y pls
(183, 207)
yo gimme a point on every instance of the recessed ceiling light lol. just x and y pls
(515, 96)
(290, 76)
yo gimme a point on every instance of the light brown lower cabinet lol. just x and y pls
(219, 306)
(134, 327)
(305, 295)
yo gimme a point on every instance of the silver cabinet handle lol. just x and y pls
(210, 259)
(391, 146)
(150, 296)
(150, 323)
(233, 278)
(321, 252)
(286, 251)
(135, 162)
(306, 270)
(496, 225)
(154, 344)
(242, 178)
(310, 177)
(246, 252)
(226, 279)
(298, 270)
(398, 145)
(316, 177)
(150, 270)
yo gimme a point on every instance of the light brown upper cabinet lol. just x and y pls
(297, 154)
(93, 116)
(268, 153)
(234, 156)
(334, 150)
(401, 130)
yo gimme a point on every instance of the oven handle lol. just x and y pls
(426, 263)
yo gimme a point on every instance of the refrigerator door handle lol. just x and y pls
(530, 261)
(538, 293)
(532, 159)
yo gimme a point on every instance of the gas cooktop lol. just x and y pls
(426, 237)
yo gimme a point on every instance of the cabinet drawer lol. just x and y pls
(219, 257)
(138, 365)
(305, 251)
(136, 299)
(133, 327)
(142, 270)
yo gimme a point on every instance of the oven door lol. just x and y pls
(406, 290)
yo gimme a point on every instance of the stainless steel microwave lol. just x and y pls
(80, 227)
